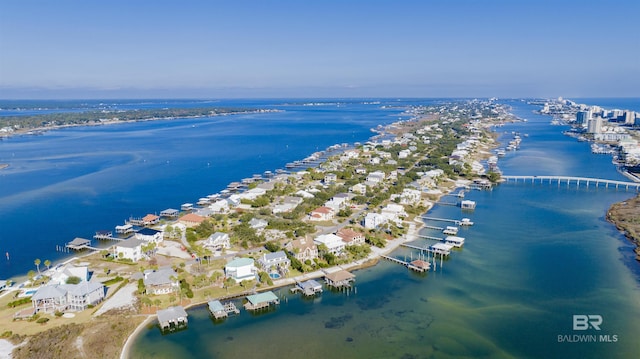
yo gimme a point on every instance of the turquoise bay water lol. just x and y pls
(536, 256)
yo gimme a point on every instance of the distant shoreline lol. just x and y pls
(42, 129)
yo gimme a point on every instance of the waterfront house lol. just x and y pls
(274, 261)
(304, 249)
(67, 297)
(172, 318)
(161, 281)
(150, 235)
(82, 295)
(218, 241)
(49, 299)
(129, 249)
(350, 237)
(241, 269)
(334, 244)
(191, 220)
(322, 214)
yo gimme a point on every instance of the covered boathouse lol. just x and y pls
(261, 301)
(172, 318)
(339, 279)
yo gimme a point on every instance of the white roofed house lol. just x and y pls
(150, 235)
(275, 261)
(410, 196)
(394, 212)
(218, 241)
(129, 249)
(334, 244)
(50, 299)
(62, 274)
(220, 206)
(67, 297)
(374, 220)
(82, 295)
(375, 178)
(288, 204)
(258, 224)
(336, 203)
(161, 281)
(241, 269)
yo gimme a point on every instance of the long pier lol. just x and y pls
(421, 269)
(587, 181)
(440, 219)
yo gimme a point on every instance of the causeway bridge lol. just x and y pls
(568, 180)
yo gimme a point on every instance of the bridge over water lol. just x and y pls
(568, 180)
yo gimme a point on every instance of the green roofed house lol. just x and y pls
(261, 300)
(241, 269)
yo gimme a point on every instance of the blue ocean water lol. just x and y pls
(73, 182)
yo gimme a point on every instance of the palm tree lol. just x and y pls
(47, 263)
(37, 263)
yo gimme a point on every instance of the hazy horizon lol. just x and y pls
(331, 49)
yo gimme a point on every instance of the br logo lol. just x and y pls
(585, 322)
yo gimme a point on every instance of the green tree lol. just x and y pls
(73, 280)
(37, 263)
(47, 263)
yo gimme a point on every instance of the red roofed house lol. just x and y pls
(350, 237)
(321, 214)
(150, 219)
(191, 220)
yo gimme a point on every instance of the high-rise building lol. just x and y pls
(629, 117)
(582, 117)
(594, 125)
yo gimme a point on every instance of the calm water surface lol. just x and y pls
(538, 255)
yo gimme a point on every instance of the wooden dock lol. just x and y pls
(417, 265)
(221, 311)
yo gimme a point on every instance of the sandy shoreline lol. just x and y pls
(370, 261)
(6, 347)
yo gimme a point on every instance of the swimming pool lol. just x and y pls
(274, 275)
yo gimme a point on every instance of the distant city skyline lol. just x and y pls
(224, 49)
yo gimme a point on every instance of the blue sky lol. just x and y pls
(322, 48)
